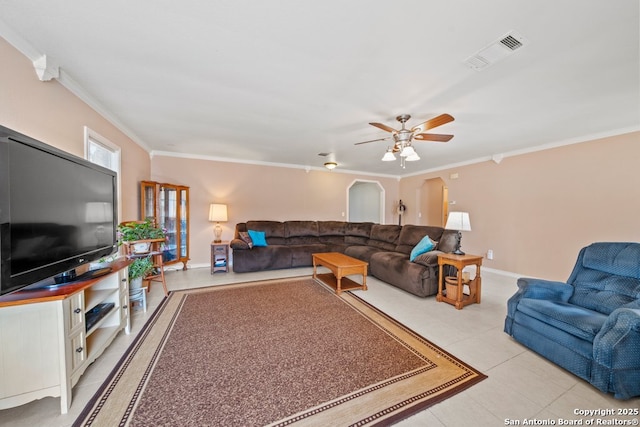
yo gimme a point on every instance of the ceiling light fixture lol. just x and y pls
(407, 153)
(330, 165)
(412, 157)
(388, 156)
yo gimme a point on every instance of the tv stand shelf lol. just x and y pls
(46, 346)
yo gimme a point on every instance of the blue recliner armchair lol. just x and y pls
(589, 325)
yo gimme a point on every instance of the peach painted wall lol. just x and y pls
(49, 112)
(536, 210)
(256, 192)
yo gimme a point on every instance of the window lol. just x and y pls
(100, 150)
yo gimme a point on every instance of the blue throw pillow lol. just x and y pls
(424, 245)
(258, 237)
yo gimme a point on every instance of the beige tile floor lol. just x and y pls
(522, 389)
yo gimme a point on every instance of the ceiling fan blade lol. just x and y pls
(373, 140)
(430, 124)
(432, 137)
(383, 127)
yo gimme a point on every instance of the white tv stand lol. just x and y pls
(46, 346)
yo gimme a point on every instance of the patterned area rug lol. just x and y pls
(274, 353)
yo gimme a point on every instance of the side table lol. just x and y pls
(219, 257)
(475, 285)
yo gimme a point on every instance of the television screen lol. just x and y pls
(57, 211)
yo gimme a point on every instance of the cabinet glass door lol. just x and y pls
(148, 200)
(184, 202)
(167, 202)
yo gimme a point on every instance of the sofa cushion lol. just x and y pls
(301, 255)
(620, 259)
(257, 238)
(331, 228)
(604, 292)
(396, 269)
(412, 234)
(577, 321)
(331, 232)
(274, 230)
(384, 236)
(300, 229)
(361, 252)
(272, 257)
(423, 246)
(301, 232)
(357, 233)
(245, 237)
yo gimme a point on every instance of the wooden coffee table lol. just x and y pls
(340, 265)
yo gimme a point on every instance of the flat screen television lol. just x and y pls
(57, 212)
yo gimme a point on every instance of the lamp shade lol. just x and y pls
(217, 212)
(458, 221)
(388, 156)
(407, 151)
(412, 157)
(330, 165)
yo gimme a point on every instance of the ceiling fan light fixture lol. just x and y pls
(407, 151)
(388, 156)
(413, 157)
(330, 165)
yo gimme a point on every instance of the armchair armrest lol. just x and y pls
(616, 365)
(530, 287)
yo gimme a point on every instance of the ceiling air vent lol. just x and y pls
(511, 42)
(496, 51)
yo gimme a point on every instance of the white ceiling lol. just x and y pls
(281, 81)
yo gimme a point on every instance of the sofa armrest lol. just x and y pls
(615, 354)
(239, 244)
(428, 259)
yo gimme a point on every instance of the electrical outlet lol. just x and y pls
(490, 254)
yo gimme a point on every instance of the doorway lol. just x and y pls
(365, 201)
(434, 202)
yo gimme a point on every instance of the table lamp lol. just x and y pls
(458, 221)
(217, 213)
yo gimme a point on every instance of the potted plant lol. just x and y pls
(138, 270)
(140, 230)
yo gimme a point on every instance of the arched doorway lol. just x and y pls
(365, 201)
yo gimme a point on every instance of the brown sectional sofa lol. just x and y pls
(385, 247)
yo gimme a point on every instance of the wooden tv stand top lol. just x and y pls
(31, 296)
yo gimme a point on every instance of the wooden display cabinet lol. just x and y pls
(168, 204)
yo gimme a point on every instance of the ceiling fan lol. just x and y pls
(402, 138)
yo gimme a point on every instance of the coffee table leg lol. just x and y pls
(338, 285)
(364, 279)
